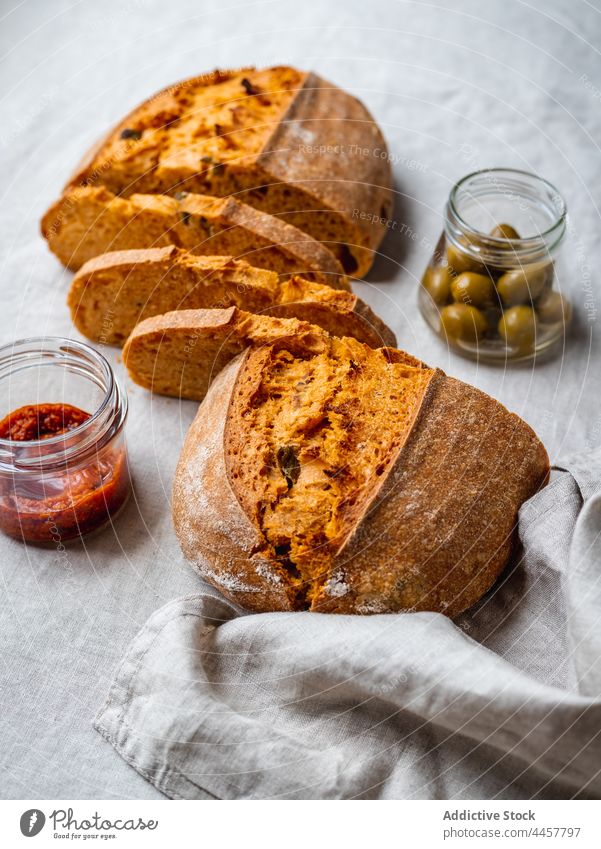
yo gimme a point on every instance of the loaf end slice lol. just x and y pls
(91, 220)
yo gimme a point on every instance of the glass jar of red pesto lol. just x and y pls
(63, 458)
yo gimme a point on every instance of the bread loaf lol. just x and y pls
(281, 140)
(321, 474)
(115, 291)
(89, 221)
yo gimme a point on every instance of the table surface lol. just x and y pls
(455, 86)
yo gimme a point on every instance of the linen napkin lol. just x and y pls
(504, 702)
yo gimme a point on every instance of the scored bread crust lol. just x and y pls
(441, 530)
(324, 158)
(433, 536)
(179, 353)
(213, 530)
(90, 220)
(115, 291)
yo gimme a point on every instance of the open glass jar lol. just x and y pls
(492, 288)
(63, 460)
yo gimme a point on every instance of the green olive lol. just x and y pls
(521, 286)
(551, 308)
(437, 283)
(463, 322)
(492, 314)
(472, 288)
(460, 261)
(517, 327)
(504, 231)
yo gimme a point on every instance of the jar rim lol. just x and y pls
(72, 445)
(100, 360)
(528, 243)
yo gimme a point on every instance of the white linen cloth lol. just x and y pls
(504, 702)
(456, 85)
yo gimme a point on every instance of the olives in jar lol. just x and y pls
(522, 285)
(490, 285)
(504, 231)
(552, 308)
(462, 322)
(437, 283)
(459, 261)
(472, 288)
(517, 327)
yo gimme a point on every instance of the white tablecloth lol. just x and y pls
(455, 86)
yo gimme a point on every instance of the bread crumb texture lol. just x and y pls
(195, 128)
(310, 438)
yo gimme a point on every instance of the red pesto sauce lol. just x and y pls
(41, 421)
(59, 505)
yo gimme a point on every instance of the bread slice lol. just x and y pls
(320, 474)
(281, 140)
(114, 291)
(89, 221)
(180, 352)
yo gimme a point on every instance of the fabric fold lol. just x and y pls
(504, 702)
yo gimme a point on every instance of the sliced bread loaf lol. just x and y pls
(320, 474)
(282, 140)
(115, 291)
(89, 221)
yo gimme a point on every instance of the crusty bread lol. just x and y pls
(283, 141)
(115, 291)
(88, 221)
(180, 352)
(320, 474)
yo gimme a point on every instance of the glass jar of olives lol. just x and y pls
(492, 288)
